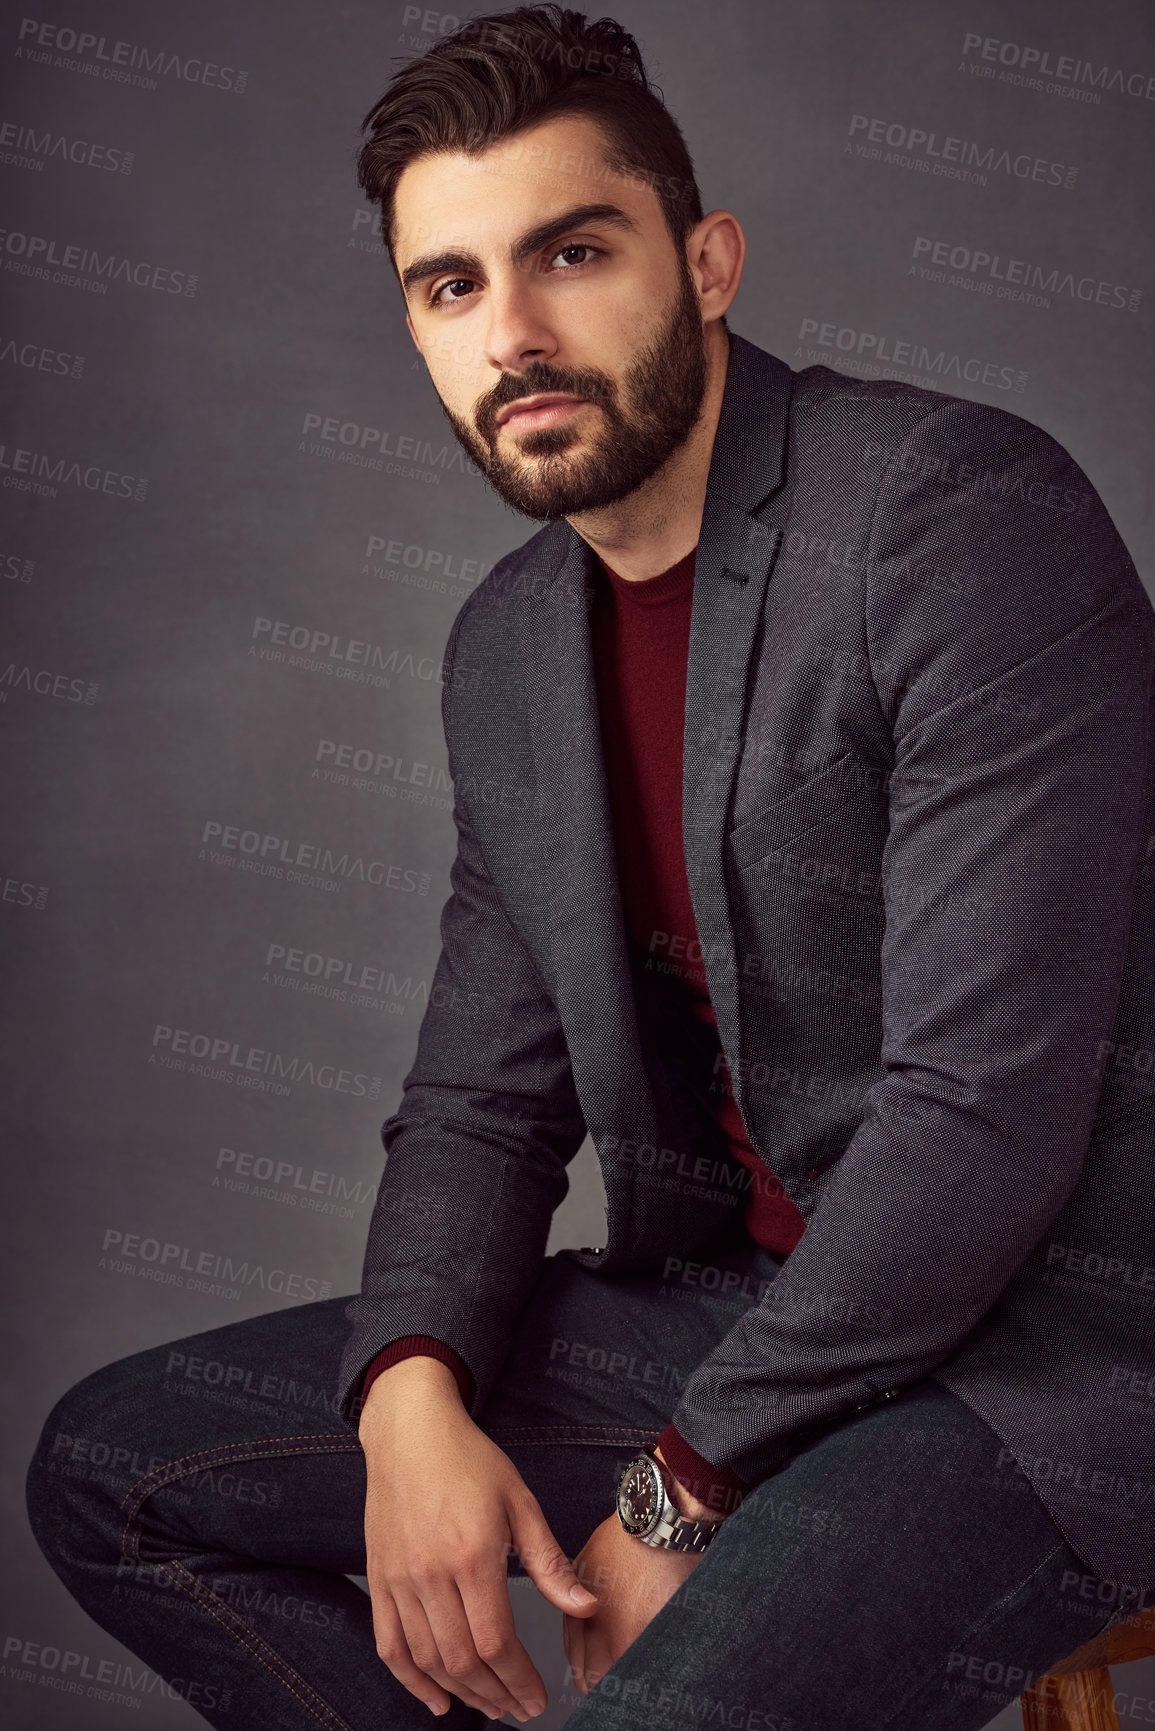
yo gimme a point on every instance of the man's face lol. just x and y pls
(537, 271)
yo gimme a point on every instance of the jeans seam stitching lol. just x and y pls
(252, 1449)
(626, 1433)
(972, 1628)
(222, 1613)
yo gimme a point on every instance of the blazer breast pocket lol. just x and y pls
(837, 788)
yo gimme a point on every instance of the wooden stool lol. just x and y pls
(1077, 1695)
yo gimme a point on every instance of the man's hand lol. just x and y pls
(632, 1581)
(443, 1509)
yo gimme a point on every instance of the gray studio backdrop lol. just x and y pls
(238, 528)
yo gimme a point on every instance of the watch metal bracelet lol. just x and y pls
(647, 1511)
(683, 1532)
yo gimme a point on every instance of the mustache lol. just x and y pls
(536, 381)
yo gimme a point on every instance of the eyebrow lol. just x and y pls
(466, 263)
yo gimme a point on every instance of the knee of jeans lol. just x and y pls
(84, 1465)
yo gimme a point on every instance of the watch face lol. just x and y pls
(639, 1496)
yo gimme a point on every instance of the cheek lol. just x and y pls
(456, 366)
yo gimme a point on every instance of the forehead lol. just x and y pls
(449, 198)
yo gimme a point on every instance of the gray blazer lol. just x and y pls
(918, 819)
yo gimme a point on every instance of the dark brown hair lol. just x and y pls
(502, 73)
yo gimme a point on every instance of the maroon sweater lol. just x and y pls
(641, 639)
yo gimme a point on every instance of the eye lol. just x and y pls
(454, 282)
(577, 246)
(465, 283)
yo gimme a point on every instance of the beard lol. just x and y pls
(545, 477)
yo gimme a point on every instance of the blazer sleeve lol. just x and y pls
(1011, 646)
(478, 1148)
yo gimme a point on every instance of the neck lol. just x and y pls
(660, 521)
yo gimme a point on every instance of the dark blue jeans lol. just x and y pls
(203, 1501)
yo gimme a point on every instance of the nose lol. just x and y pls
(518, 331)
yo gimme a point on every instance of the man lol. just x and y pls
(803, 799)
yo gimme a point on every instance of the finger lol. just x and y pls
(485, 1597)
(393, 1650)
(598, 1658)
(425, 1658)
(441, 1643)
(543, 1559)
(573, 1633)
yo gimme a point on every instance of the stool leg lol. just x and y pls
(1076, 1701)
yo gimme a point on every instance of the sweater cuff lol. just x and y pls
(424, 1346)
(718, 1487)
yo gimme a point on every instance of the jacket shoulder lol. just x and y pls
(887, 412)
(482, 620)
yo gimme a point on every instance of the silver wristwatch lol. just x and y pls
(646, 1512)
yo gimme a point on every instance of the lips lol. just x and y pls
(544, 401)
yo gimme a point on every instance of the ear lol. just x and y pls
(715, 252)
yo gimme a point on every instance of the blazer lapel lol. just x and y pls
(587, 929)
(592, 983)
(591, 974)
(742, 528)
